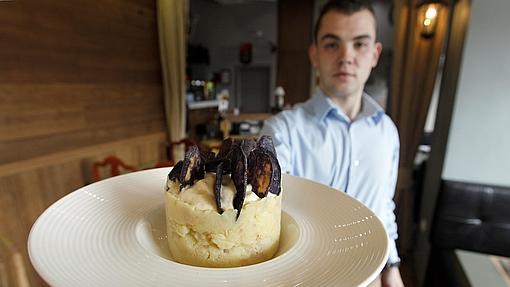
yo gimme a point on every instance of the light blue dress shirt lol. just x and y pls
(316, 140)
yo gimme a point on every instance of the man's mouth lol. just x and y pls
(344, 75)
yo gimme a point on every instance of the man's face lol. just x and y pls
(345, 52)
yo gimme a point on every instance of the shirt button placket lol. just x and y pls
(348, 158)
(354, 161)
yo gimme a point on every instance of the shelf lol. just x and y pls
(203, 104)
(228, 119)
(246, 117)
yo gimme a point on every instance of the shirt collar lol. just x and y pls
(370, 109)
(322, 107)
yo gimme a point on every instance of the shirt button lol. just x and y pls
(356, 163)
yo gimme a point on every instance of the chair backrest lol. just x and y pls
(115, 164)
(472, 217)
(13, 271)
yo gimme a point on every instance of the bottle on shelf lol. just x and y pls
(279, 94)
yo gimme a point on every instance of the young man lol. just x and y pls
(341, 137)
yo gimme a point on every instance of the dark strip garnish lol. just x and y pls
(247, 161)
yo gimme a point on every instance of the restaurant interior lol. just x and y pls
(90, 91)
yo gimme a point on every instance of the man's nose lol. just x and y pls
(345, 54)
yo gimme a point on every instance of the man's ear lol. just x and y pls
(312, 54)
(377, 54)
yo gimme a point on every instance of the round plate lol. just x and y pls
(112, 233)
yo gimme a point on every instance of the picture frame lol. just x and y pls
(226, 76)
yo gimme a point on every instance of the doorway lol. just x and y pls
(253, 88)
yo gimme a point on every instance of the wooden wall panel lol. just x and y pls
(78, 81)
(294, 37)
(75, 41)
(74, 74)
(28, 187)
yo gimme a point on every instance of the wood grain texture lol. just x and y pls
(62, 41)
(78, 81)
(294, 37)
(76, 74)
(28, 187)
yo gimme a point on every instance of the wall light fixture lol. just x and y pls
(428, 12)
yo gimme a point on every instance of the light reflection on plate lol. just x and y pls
(112, 233)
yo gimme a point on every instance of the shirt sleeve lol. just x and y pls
(390, 219)
(278, 130)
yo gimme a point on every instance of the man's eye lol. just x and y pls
(358, 45)
(331, 45)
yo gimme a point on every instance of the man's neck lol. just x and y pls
(350, 105)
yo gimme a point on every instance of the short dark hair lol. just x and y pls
(347, 7)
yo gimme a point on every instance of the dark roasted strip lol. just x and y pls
(239, 177)
(263, 173)
(260, 171)
(266, 143)
(276, 182)
(225, 148)
(248, 145)
(247, 161)
(193, 168)
(175, 172)
(217, 187)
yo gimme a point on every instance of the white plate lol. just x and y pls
(112, 233)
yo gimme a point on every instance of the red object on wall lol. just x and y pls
(245, 52)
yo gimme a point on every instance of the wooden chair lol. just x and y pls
(116, 165)
(172, 160)
(13, 271)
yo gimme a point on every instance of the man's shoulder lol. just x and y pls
(388, 127)
(388, 121)
(295, 121)
(298, 114)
